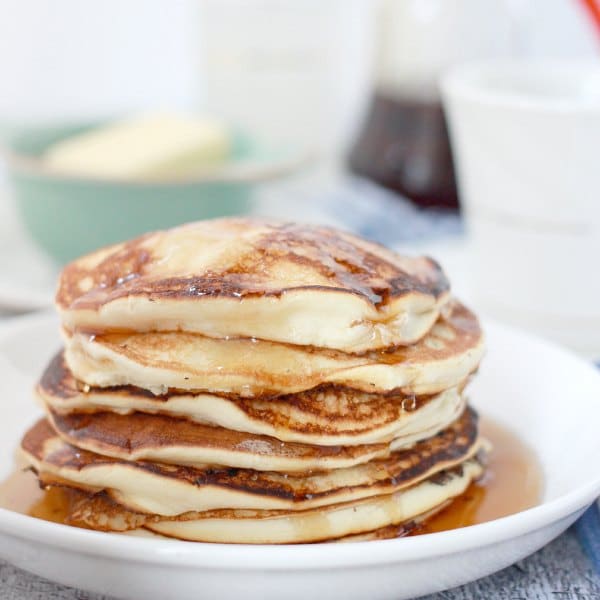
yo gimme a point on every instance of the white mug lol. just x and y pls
(526, 140)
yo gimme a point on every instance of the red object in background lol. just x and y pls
(593, 8)
(404, 146)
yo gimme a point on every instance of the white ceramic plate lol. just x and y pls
(547, 396)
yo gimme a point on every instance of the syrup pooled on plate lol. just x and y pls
(512, 482)
(21, 493)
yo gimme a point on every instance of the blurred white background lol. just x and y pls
(293, 69)
(72, 60)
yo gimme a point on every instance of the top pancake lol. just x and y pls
(291, 283)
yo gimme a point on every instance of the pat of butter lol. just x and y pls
(149, 147)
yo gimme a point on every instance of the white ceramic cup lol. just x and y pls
(526, 140)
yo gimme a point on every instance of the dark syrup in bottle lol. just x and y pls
(404, 146)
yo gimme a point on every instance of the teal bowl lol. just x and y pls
(69, 216)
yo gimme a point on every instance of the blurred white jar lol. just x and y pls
(421, 39)
(526, 136)
(404, 143)
(290, 70)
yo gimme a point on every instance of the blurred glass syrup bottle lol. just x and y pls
(403, 144)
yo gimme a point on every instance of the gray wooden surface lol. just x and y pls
(560, 571)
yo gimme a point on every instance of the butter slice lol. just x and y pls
(145, 148)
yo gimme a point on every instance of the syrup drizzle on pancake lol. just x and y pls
(253, 278)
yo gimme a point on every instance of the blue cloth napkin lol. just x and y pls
(587, 530)
(358, 205)
(378, 214)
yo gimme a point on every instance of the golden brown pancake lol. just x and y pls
(99, 512)
(326, 415)
(364, 518)
(326, 523)
(142, 436)
(171, 490)
(284, 282)
(162, 361)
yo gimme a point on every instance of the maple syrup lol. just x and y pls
(513, 482)
(404, 146)
(22, 494)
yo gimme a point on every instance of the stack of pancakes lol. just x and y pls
(257, 382)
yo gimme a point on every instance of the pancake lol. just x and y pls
(99, 512)
(248, 367)
(383, 533)
(170, 490)
(326, 523)
(327, 415)
(142, 436)
(388, 532)
(284, 282)
(362, 518)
